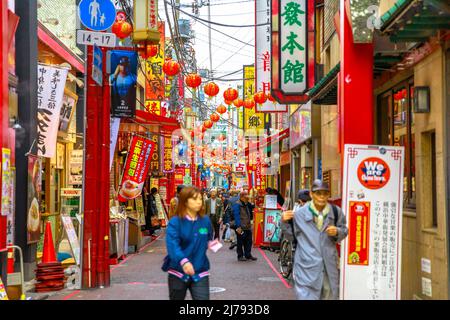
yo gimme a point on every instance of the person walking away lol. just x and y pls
(152, 211)
(214, 210)
(174, 202)
(318, 227)
(234, 197)
(189, 236)
(243, 215)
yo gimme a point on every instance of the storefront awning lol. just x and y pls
(325, 91)
(148, 118)
(415, 21)
(276, 138)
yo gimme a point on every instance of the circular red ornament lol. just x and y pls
(204, 128)
(228, 102)
(260, 97)
(171, 68)
(249, 103)
(230, 94)
(211, 89)
(221, 109)
(122, 29)
(208, 124)
(238, 102)
(214, 117)
(193, 80)
(374, 173)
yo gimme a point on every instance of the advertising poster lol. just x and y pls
(115, 125)
(6, 176)
(136, 168)
(179, 176)
(69, 103)
(154, 88)
(300, 125)
(253, 122)
(123, 81)
(76, 167)
(50, 91)
(372, 201)
(11, 218)
(167, 155)
(34, 190)
(272, 230)
(263, 56)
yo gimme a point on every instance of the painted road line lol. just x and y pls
(274, 270)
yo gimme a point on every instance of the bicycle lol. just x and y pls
(287, 251)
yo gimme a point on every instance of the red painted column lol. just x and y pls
(355, 87)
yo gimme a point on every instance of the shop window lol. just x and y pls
(395, 126)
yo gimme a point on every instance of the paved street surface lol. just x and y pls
(139, 277)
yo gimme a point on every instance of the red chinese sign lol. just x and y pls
(179, 176)
(152, 14)
(154, 86)
(359, 235)
(373, 173)
(136, 168)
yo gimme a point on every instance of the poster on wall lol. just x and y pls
(123, 81)
(50, 91)
(271, 226)
(300, 125)
(6, 181)
(372, 201)
(154, 88)
(136, 168)
(69, 103)
(34, 190)
(76, 167)
(10, 223)
(71, 236)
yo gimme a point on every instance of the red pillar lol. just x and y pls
(355, 86)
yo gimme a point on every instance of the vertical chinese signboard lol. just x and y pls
(51, 83)
(136, 167)
(167, 146)
(253, 121)
(372, 201)
(293, 49)
(263, 56)
(154, 87)
(155, 163)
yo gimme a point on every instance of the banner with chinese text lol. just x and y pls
(154, 85)
(263, 56)
(167, 146)
(50, 91)
(155, 164)
(373, 204)
(136, 168)
(253, 121)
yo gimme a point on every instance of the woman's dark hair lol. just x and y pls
(154, 190)
(185, 194)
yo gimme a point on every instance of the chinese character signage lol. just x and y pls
(167, 154)
(67, 110)
(136, 167)
(300, 125)
(152, 14)
(271, 222)
(153, 106)
(154, 84)
(76, 167)
(253, 121)
(292, 67)
(372, 201)
(154, 162)
(50, 91)
(123, 83)
(263, 56)
(34, 190)
(6, 176)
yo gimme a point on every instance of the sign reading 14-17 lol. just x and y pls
(97, 15)
(293, 45)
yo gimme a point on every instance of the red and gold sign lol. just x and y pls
(167, 154)
(154, 84)
(136, 168)
(358, 233)
(179, 176)
(373, 173)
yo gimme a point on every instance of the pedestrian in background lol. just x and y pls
(243, 216)
(318, 227)
(189, 236)
(174, 202)
(152, 211)
(214, 210)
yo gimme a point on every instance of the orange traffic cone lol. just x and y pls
(49, 255)
(259, 235)
(10, 267)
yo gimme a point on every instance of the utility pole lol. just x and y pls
(210, 39)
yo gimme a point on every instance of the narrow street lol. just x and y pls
(139, 277)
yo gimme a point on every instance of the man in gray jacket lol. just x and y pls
(318, 227)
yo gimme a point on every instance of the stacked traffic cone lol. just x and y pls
(50, 273)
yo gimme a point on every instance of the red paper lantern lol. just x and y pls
(249, 103)
(193, 80)
(221, 109)
(171, 68)
(151, 50)
(260, 97)
(228, 102)
(208, 124)
(203, 128)
(214, 117)
(211, 89)
(230, 94)
(238, 103)
(270, 97)
(121, 28)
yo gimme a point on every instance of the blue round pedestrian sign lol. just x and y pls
(97, 15)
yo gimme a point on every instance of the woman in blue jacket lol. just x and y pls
(189, 235)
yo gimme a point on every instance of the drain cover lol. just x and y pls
(216, 289)
(269, 279)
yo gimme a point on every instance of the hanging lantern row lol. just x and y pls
(249, 103)
(121, 28)
(260, 97)
(221, 109)
(148, 51)
(238, 103)
(214, 117)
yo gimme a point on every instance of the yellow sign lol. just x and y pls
(153, 106)
(154, 89)
(253, 121)
(3, 295)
